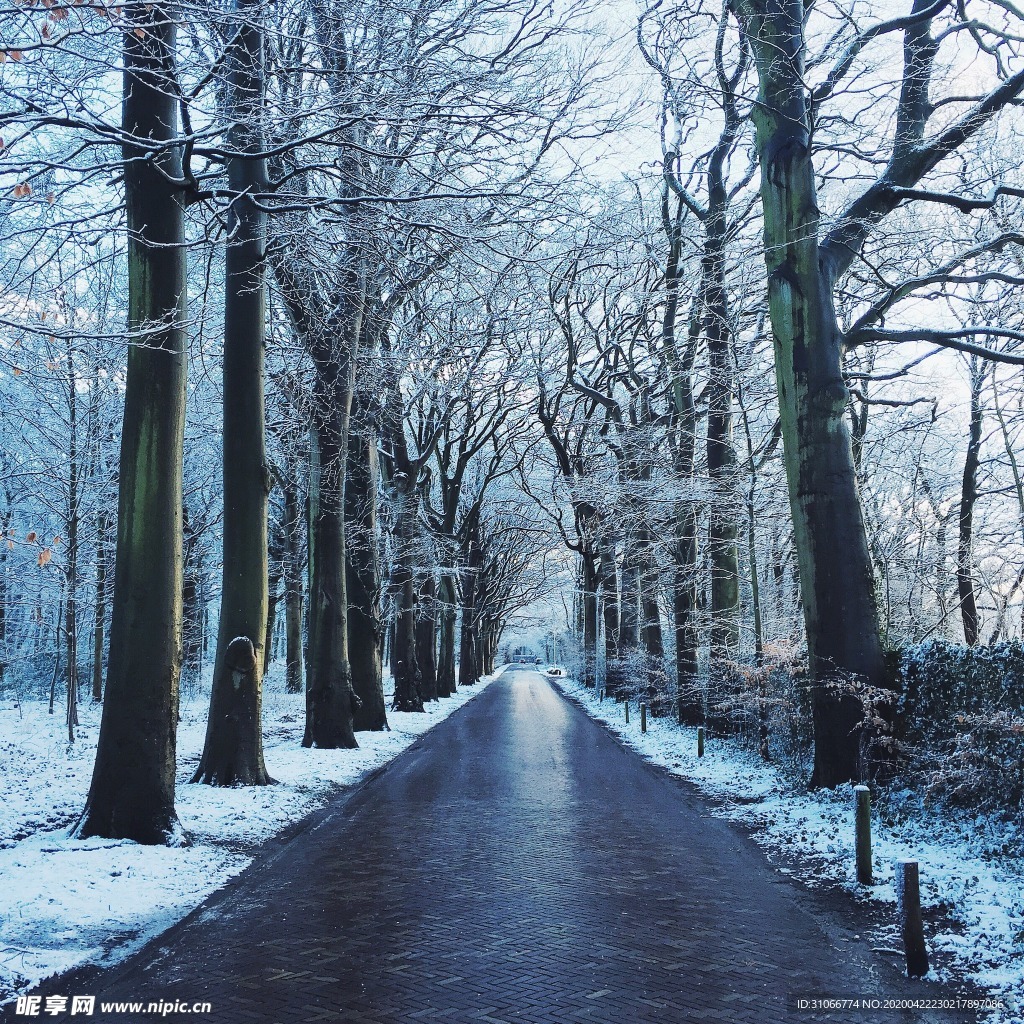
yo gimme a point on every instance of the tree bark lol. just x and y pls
(405, 666)
(363, 571)
(330, 327)
(5, 525)
(469, 664)
(689, 707)
(132, 790)
(651, 636)
(71, 605)
(589, 578)
(629, 605)
(468, 671)
(614, 676)
(292, 527)
(233, 752)
(192, 630)
(446, 641)
(837, 582)
(426, 634)
(721, 455)
(100, 612)
(683, 435)
(721, 459)
(968, 499)
(274, 573)
(330, 699)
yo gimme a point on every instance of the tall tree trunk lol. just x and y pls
(589, 574)
(233, 753)
(426, 634)
(469, 669)
(651, 635)
(755, 585)
(468, 673)
(721, 455)
(132, 790)
(312, 513)
(5, 525)
(968, 499)
(292, 527)
(629, 604)
(100, 613)
(275, 570)
(689, 706)
(330, 699)
(405, 666)
(610, 606)
(680, 359)
(330, 326)
(193, 626)
(836, 578)
(363, 569)
(71, 607)
(446, 639)
(721, 458)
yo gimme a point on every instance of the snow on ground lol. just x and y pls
(967, 877)
(65, 903)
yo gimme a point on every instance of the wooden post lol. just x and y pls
(627, 712)
(700, 740)
(863, 834)
(643, 718)
(601, 699)
(908, 907)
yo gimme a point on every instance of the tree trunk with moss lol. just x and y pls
(132, 790)
(836, 577)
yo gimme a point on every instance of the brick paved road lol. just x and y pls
(515, 865)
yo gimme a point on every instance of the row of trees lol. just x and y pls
(452, 357)
(343, 159)
(663, 353)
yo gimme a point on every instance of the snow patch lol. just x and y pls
(67, 902)
(966, 875)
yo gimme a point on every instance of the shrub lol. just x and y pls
(961, 723)
(944, 684)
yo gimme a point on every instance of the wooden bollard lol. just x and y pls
(700, 740)
(643, 718)
(627, 712)
(601, 696)
(862, 822)
(908, 907)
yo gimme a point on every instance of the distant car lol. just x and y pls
(539, 661)
(554, 670)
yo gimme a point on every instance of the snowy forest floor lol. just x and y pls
(972, 891)
(67, 903)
